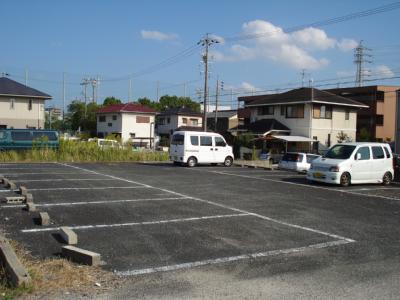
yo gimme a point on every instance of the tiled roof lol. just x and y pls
(126, 107)
(262, 126)
(223, 114)
(14, 88)
(183, 110)
(301, 95)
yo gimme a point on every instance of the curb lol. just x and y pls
(16, 273)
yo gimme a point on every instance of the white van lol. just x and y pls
(197, 147)
(351, 163)
(296, 161)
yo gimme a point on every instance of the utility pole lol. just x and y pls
(303, 76)
(130, 90)
(26, 76)
(184, 89)
(63, 110)
(216, 105)
(85, 82)
(206, 42)
(360, 54)
(158, 91)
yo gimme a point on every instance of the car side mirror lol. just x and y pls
(358, 156)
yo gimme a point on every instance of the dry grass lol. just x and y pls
(56, 276)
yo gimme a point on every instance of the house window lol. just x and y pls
(184, 120)
(109, 124)
(102, 118)
(322, 111)
(168, 120)
(194, 122)
(133, 135)
(30, 104)
(347, 114)
(141, 119)
(265, 110)
(12, 103)
(295, 111)
(161, 121)
(379, 120)
(114, 117)
(283, 110)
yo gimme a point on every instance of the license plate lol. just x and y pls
(317, 175)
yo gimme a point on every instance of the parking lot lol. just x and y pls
(161, 220)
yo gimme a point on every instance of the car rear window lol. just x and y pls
(178, 139)
(311, 157)
(292, 157)
(377, 152)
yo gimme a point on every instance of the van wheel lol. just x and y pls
(387, 178)
(345, 179)
(192, 162)
(228, 161)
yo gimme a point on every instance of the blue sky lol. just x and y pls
(113, 39)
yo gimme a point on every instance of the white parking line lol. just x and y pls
(94, 202)
(306, 185)
(63, 179)
(41, 173)
(136, 223)
(89, 188)
(43, 168)
(229, 259)
(223, 205)
(371, 189)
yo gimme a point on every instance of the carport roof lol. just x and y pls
(294, 138)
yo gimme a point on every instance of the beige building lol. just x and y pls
(21, 106)
(131, 121)
(306, 112)
(178, 118)
(379, 119)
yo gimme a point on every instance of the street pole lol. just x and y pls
(158, 91)
(130, 90)
(63, 111)
(206, 42)
(216, 106)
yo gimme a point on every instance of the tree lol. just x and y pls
(147, 102)
(365, 135)
(111, 101)
(167, 101)
(343, 137)
(82, 116)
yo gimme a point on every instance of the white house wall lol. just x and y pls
(141, 130)
(21, 117)
(116, 125)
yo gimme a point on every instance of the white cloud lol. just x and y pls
(347, 44)
(158, 36)
(242, 87)
(383, 71)
(295, 49)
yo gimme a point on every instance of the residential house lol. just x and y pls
(379, 119)
(130, 121)
(182, 118)
(21, 106)
(226, 120)
(306, 114)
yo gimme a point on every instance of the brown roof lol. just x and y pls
(301, 95)
(126, 107)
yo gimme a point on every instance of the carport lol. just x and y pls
(293, 139)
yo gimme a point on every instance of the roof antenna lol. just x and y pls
(311, 83)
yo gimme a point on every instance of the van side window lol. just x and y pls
(377, 152)
(194, 140)
(178, 139)
(51, 136)
(2, 135)
(365, 154)
(205, 141)
(387, 152)
(219, 142)
(21, 136)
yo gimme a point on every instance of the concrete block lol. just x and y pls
(16, 273)
(28, 198)
(14, 199)
(5, 182)
(81, 256)
(1, 178)
(11, 185)
(44, 218)
(69, 236)
(23, 190)
(30, 207)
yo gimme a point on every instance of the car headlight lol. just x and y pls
(334, 169)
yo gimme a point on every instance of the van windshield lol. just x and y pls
(340, 152)
(178, 139)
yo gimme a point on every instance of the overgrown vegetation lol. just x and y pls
(55, 276)
(78, 151)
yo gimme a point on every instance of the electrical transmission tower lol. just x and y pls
(206, 42)
(361, 55)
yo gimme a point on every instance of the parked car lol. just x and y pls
(297, 161)
(106, 144)
(25, 139)
(197, 147)
(273, 158)
(351, 163)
